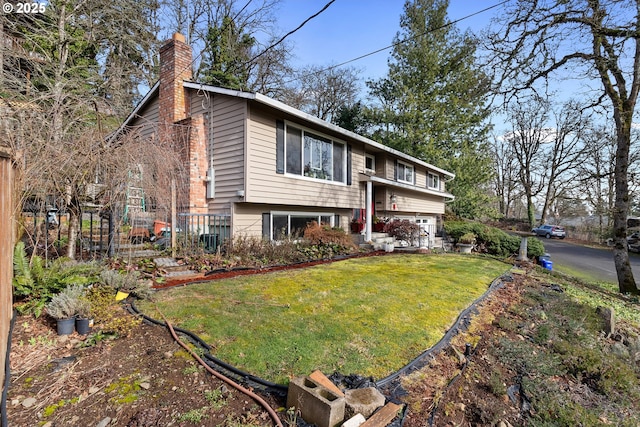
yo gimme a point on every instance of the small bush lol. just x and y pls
(69, 302)
(34, 284)
(108, 315)
(316, 234)
(322, 241)
(402, 230)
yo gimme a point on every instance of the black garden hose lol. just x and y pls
(214, 362)
(224, 378)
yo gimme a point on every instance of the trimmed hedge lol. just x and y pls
(492, 240)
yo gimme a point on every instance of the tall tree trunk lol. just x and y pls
(626, 282)
(74, 225)
(531, 209)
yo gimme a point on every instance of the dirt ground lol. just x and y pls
(147, 379)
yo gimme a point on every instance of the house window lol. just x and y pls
(314, 156)
(405, 173)
(291, 225)
(369, 162)
(433, 181)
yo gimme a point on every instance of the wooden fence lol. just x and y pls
(7, 239)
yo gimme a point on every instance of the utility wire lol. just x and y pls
(206, 44)
(350, 60)
(401, 41)
(291, 32)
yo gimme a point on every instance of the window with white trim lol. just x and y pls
(369, 162)
(433, 181)
(314, 156)
(405, 173)
(291, 225)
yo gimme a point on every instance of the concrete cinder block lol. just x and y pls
(364, 401)
(317, 404)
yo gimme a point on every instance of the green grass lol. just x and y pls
(564, 344)
(581, 287)
(368, 316)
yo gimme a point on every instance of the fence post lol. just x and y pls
(174, 218)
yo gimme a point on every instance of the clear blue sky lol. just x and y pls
(351, 28)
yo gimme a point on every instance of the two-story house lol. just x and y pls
(272, 168)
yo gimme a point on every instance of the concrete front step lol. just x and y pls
(173, 268)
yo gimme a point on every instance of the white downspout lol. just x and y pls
(369, 216)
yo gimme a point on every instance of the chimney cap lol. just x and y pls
(178, 37)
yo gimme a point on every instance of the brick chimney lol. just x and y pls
(175, 67)
(177, 125)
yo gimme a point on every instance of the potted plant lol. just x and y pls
(64, 306)
(83, 312)
(378, 224)
(466, 242)
(357, 226)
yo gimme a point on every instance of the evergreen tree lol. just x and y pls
(433, 102)
(226, 56)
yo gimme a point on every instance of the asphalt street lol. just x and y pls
(596, 262)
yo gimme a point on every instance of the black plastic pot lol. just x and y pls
(83, 325)
(66, 326)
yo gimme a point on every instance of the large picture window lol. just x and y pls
(286, 225)
(314, 156)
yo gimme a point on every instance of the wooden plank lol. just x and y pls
(321, 379)
(384, 416)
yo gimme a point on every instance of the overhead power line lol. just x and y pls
(401, 41)
(291, 32)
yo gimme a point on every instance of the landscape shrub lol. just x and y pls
(323, 241)
(34, 284)
(402, 229)
(66, 304)
(319, 242)
(252, 251)
(492, 240)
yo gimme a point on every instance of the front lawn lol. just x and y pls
(368, 316)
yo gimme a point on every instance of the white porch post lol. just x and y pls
(369, 215)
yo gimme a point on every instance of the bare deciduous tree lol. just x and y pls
(505, 164)
(564, 154)
(596, 174)
(597, 40)
(321, 91)
(59, 99)
(529, 133)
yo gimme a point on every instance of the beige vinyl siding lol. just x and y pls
(389, 168)
(264, 185)
(421, 177)
(408, 201)
(226, 133)
(146, 123)
(247, 217)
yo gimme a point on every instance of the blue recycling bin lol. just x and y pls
(547, 264)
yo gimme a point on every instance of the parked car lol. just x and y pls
(550, 231)
(633, 241)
